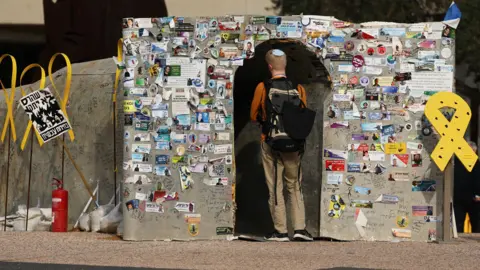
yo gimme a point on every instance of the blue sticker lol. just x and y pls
(212, 83)
(162, 159)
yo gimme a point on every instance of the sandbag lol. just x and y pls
(120, 229)
(110, 222)
(32, 212)
(97, 215)
(43, 226)
(19, 224)
(84, 222)
(46, 213)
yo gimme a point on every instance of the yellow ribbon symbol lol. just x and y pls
(9, 99)
(41, 86)
(66, 91)
(451, 132)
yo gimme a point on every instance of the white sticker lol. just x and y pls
(222, 149)
(140, 196)
(144, 168)
(185, 207)
(334, 178)
(153, 208)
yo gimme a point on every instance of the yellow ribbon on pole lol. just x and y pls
(9, 99)
(118, 71)
(451, 132)
(66, 91)
(41, 86)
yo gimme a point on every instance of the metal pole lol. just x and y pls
(29, 178)
(63, 155)
(447, 196)
(6, 186)
(115, 149)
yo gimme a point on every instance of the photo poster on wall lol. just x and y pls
(382, 184)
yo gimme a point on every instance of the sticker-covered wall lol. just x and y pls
(379, 182)
(179, 170)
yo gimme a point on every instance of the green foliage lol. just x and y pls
(406, 11)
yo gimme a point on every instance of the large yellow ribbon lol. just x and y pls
(41, 86)
(66, 90)
(9, 99)
(451, 132)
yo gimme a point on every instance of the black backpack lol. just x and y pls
(288, 121)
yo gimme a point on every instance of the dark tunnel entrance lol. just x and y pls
(252, 214)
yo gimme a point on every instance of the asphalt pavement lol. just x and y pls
(52, 251)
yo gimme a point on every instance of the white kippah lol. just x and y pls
(278, 52)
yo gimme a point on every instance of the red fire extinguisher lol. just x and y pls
(59, 207)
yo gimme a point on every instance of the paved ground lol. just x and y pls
(81, 250)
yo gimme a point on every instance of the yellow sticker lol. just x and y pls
(225, 36)
(395, 148)
(193, 229)
(402, 221)
(129, 106)
(451, 132)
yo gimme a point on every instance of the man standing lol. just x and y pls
(466, 194)
(278, 162)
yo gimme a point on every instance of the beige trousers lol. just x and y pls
(287, 166)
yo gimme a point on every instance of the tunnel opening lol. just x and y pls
(303, 67)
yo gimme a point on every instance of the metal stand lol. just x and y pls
(6, 186)
(447, 196)
(29, 178)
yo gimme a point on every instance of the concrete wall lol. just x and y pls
(90, 113)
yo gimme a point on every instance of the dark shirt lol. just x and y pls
(466, 184)
(87, 30)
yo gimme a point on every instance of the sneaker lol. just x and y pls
(302, 235)
(278, 237)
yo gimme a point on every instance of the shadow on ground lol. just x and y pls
(25, 266)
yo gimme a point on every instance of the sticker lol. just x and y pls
(193, 229)
(402, 221)
(416, 159)
(361, 203)
(399, 176)
(432, 235)
(349, 45)
(350, 180)
(371, 126)
(144, 168)
(335, 165)
(354, 167)
(388, 199)
(331, 153)
(224, 230)
(334, 178)
(420, 211)
(400, 161)
(217, 181)
(336, 206)
(185, 177)
(364, 105)
(415, 146)
(432, 219)
(153, 207)
(192, 138)
(180, 150)
(362, 47)
(424, 186)
(162, 171)
(358, 61)
(162, 159)
(185, 207)
(141, 148)
(362, 190)
(395, 148)
(222, 149)
(132, 204)
(381, 50)
(364, 81)
(402, 233)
